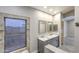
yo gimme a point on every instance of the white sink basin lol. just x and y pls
(52, 36)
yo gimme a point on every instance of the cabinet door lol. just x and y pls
(41, 45)
(54, 41)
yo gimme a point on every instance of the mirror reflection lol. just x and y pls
(50, 27)
(42, 27)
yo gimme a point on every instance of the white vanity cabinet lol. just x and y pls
(43, 41)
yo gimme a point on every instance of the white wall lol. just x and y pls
(77, 28)
(57, 20)
(34, 15)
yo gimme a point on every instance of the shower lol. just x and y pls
(68, 42)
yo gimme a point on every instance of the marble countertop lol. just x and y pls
(47, 37)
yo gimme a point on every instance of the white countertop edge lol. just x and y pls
(54, 49)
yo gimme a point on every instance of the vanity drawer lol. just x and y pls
(54, 41)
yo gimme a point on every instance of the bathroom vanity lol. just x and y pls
(52, 39)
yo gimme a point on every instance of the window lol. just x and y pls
(15, 34)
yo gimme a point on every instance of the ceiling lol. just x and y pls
(52, 10)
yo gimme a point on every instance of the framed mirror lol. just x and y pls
(42, 27)
(50, 27)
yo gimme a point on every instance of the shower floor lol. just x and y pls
(68, 45)
(70, 49)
